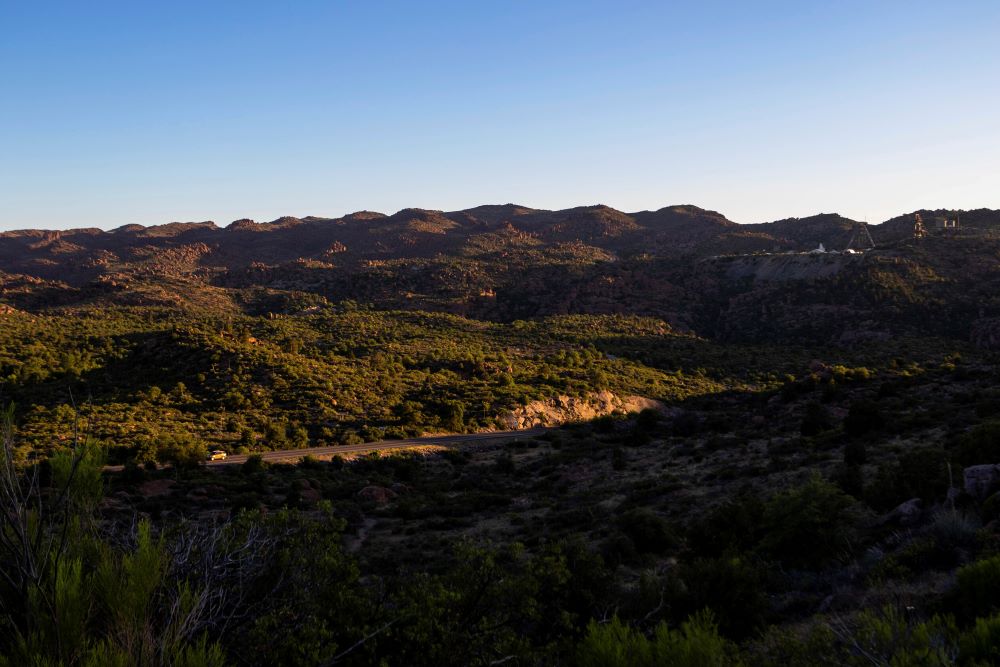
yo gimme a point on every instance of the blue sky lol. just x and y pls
(133, 112)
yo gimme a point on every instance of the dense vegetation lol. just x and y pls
(754, 525)
(141, 378)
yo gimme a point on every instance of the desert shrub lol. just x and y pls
(254, 463)
(452, 414)
(649, 532)
(977, 589)
(604, 424)
(862, 417)
(988, 407)
(618, 549)
(815, 420)
(637, 437)
(855, 453)
(851, 480)
(990, 510)
(182, 449)
(915, 557)
(244, 502)
(647, 419)
(686, 424)
(781, 646)
(919, 473)
(618, 460)
(980, 445)
(731, 528)
(954, 530)
(133, 474)
(980, 645)
(696, 644)
(891, 636)
(733, 588)
(505, 465)
(456, 457)
(807, 526)
(309, 462)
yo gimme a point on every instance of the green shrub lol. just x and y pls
(696, 644)
(980, 645)
(649, 532)
(732, 588)
(980, 445)
(862, 417)
(855, 454)
(254, 463)
(647, 419)
(732, 528)
(604, 424)
(851, 480)
(891, 636)
(815, 420)
(618, 459)
(977, 589)
(808, 526)
(919, 473)
(990, 511)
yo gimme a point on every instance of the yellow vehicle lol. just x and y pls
(217, 455)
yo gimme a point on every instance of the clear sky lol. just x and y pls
(148, 112)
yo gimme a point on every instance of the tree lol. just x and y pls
(183, 450)
(453, 416)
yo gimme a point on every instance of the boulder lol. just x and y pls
(906, 514)
(310, 496)
(377, 494)
(981, 480)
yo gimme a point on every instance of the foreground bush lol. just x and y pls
(696, 644)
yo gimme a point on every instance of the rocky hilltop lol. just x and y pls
(692, 267)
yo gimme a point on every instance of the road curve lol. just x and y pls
(381, 446)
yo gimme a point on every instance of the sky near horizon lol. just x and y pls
(114, 113)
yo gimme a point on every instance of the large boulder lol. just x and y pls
(906, 514)
(981, 480)
(376, 494)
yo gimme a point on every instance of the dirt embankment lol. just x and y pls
(567, 409)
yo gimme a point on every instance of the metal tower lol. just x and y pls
(861, 238)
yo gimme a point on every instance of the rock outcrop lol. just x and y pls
(980, 481)
(568, 409)
(906, 514)
(376, 494)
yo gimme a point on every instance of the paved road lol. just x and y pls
(382, 445)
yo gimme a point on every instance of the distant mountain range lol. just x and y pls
(692, 267)
(79, 255)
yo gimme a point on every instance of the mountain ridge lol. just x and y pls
(690, 266)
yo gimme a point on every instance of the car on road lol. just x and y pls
(217, 455)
